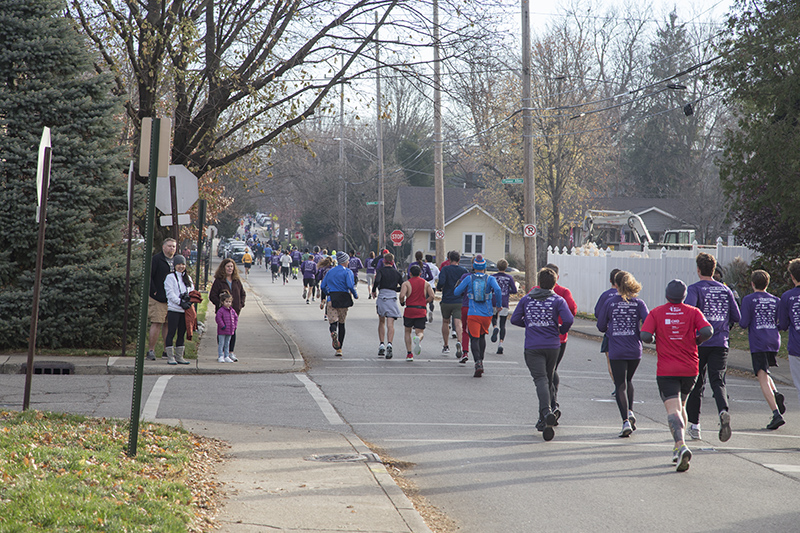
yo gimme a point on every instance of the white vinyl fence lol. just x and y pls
(586, 271)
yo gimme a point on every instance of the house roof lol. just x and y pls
(415, 208)
(670, 207)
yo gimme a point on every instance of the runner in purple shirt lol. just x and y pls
(789, 319)
(760, 318)
(719, 307)
(538, 312)
(621, 318)
(608, 293)
(355, 265)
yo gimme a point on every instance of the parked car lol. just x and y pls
(237, 251)
(491, 266)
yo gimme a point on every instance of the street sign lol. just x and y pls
(373, 203)
(186, 185)
(529, 230)
(298, 235)
(397, 237)
(513, 181)
(440, 234)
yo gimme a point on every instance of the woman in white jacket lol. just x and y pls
(176, 284)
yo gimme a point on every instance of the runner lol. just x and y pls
(338, 285)
(478, 286)
(247, 261)
(275, 264)
(621, 317)
(677, 329)
(435, 272)
(573, 307)
(718, 305)
(309, 270)
(267, 255)
(451, 304)
(789, 319)
(387, 284)
(355, 266)
(323, 267)
(538, 312)
(414, 295)
(608, 293)
(370, 271)
(508, 286)
(286, 262)
(297, 258)
(760, 318)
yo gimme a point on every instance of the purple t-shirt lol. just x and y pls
(789, 318)
(275, 259)
(308, 268)
(602, 300)
(718, 305)
(621, 320)
(539, 317)
(760, 317)
(355, 265)
(507, 286)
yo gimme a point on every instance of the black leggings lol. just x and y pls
(340, 332)
(503, 320)
(478, 347)
(623, 370)
(176, 323)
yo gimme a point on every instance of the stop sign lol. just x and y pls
(397, 237)
(187, 191)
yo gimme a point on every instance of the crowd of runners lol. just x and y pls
(690, 330)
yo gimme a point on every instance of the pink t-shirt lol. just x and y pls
(675, 327)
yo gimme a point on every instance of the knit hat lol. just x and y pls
(342, 257)
(478, 262)
(178, 259)
(676, 291)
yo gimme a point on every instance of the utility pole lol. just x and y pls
(438, 170)
(379, 127)
(527, 148)
(342, 240)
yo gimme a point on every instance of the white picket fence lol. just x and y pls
(586, 271)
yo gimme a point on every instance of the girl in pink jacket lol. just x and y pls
(227, 320)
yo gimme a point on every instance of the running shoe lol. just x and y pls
(540, 425)
(694, 431)
(779, 401)
(459, 353)
(417, 349)
(233, 358)
(550, 421)
(626, 429)
(675, 451)
(464, 359)
(776, 422)
(409, 356)
(304, 293)
(430, 316)
(445, 350)
(453, 335)
(495, 333)
(557, 414)
(221, 359)
(339, 352)
(499, 350)
(335, 340)
(307, 302)
(684, 456)
(632, 420)
(228, 360)
(724, 426)
(389, 351)
(151, 355)
(381, 350)
(478, 369)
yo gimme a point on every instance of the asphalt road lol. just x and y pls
(476, 454)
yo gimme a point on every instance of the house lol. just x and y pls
(468, 227)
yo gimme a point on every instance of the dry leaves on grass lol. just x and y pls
(202, 481)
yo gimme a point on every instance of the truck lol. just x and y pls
(605, 228)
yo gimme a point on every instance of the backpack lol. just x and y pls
(477, 288)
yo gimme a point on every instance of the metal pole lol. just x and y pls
(128, 263)
(343, 214)
(173, 195)
(379, 127)
(201, 219)
(37, 282)
(438, 170)
(150, 216)
(527, 147)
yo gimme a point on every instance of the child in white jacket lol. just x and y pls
(178, 283)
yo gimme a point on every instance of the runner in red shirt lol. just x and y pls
(677, 329)
(415, 294)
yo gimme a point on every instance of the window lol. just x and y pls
(473, 243)
(432, 241)
(508, 243)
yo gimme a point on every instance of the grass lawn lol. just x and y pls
(71, 473)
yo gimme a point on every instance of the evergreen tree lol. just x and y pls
(760, 170)
(46, 79)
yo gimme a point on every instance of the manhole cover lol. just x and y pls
(344, 458)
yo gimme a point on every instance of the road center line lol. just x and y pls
(323, 403)
(154, 399)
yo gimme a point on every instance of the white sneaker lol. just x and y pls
(220, 359)
(228, 360)
(694, 431)
(417, 349)
(233, 358)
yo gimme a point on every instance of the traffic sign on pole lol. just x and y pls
(529, 230)
(440, 234)
(397, 237)
(512, 181)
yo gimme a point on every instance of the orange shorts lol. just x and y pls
(478, 325)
